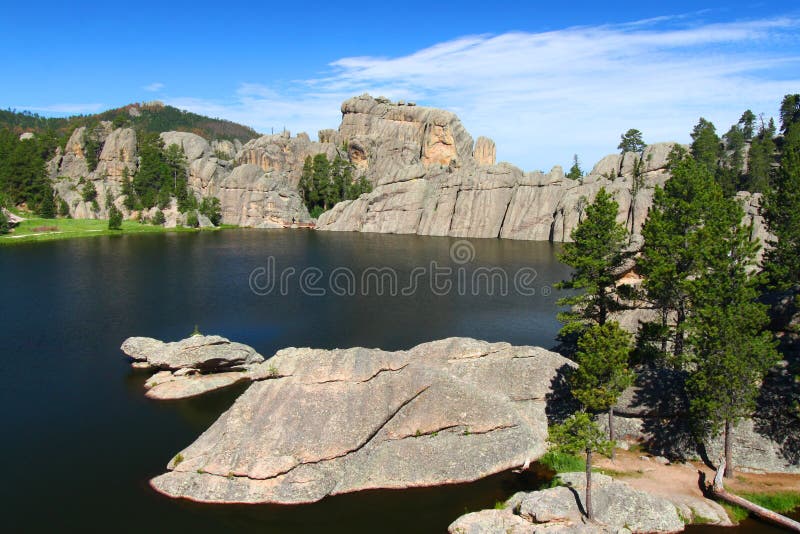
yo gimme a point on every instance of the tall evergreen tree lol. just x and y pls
(705, 144)
(114, 218)
(676, 238)
(760, 159)
(732, 348)
(596, 253)
(47, 207)
(575, 172)
(747, 123)
(603, 371)
(790, 111)
(782, 212)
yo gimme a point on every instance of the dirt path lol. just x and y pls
(681, 482)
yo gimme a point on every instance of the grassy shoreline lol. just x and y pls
(57, 229)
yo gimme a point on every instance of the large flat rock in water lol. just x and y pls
(339, 421)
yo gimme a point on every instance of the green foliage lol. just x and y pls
(602, 375)
(781, 502)
(746, 123)
(23, 177)
(575, 172)
(89, 191)
(128, 191)
(732, 349)
(211, 208)
(47, 208)
(632, 141)
(579, 434)
(191, 220)
(177, 460)
(736, 514)
(158, 218)
(152, 117)
(5, 226)
(561, 462)
(162, 174)
(114, 218)
(760, 159)
(196, 331)
(790, 111)
(676, 240)
(596, 252)
(323, 183)
(705, 144)
(63, 208)
(782, 212)
(92, 147)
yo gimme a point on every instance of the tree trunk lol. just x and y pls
(728, 453)
(611, 433)
(719, 491)
(601, 307)
(589, 512)
(678, 348)
(664, 331)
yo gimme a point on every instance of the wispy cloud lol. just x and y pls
(544, 96)
(154, 87)
(66, 109)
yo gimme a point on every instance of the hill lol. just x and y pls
(145, 117)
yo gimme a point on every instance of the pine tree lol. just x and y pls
(127, 191)
(705, 144)
(782, 212)
(89, 191)
(5, 226)
(211, 208)
(321, 179)
(114, 218)
(63, 208)
(603, 371)
(575, 172)
(760, 158)
(580, 435)
(732, 348)
(595, 254)
(746, 123)
(676, 238)
(631, 141)
(47, 208)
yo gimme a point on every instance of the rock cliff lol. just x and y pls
(249, 196)
(431, 179)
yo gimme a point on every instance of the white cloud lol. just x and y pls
(154, 87)
(67, 109)
(544, 96)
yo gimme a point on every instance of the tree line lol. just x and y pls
(325, 182)
(698, 264)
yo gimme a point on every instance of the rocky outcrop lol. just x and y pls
(617, 506)
(281, 156)
(319, 422)
(248, 197)
(431, 179)
(202, 353)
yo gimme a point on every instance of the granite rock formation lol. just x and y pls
(319, 422)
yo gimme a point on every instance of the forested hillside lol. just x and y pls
(152, 117)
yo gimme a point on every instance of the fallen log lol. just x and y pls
(759, 511)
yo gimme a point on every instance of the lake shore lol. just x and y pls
(37, 229)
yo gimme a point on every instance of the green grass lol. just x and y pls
(563, 463)
(73, 228)
(781, 502)
(735, 513)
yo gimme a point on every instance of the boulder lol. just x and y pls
(194, 146)
(196, 352)
(319, 422)
(617, 506)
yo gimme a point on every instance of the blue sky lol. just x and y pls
(544, 80)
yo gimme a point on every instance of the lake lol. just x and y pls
(81, 441)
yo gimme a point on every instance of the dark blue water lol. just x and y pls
(79, 440)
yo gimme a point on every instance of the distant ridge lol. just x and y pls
(145, 117)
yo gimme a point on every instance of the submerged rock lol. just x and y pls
(339, 421)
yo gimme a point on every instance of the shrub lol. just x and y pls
(47, 208)
(5, 227)
(114, 218)
(89, 192)
(158, 218)
(191, 220)
(63, 208)
(562, 463)
(211, 208)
